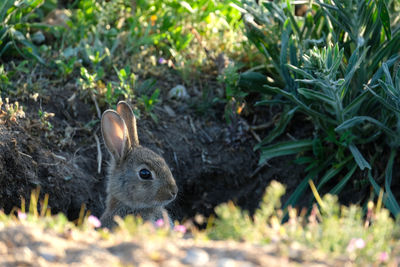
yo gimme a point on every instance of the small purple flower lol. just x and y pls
(21, 215)
(383, 256)
(94, 221)
(159, 223)
(162, 60)
(180, 228)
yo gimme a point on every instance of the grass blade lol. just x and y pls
(336, 190)
(303, 106)
(300, 189)
(332, 172)
(385, 18)
(316, 96)
(388, 181)
(284, 148)
(286, 117)
(360, 119)
(359, 158)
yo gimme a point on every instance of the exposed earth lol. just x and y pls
(211, 161)
(24, 245)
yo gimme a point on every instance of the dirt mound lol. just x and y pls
(26, 163)
(212, 163)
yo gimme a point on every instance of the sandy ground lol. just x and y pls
(27, 245)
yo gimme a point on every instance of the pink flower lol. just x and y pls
(94, 221)
(21, 215)
(355, 243)
(180, 228)
(383, 256)
(359, 243)
(159, 223)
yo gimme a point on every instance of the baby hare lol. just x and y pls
(139, 180)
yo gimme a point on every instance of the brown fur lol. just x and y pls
(127, 193)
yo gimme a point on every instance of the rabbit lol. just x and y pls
(139, 180)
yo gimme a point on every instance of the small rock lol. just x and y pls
(48, 256)
(3, 249)
(169, 111)
(227, 262)
(178, 92)
(58, 17)
(38, 37)
(24, 254)
(148, 264)
(295, 251)
(196, 257)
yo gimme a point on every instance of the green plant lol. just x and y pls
(234, 96)
(149, 102)
(65, 66)
(331, 228)
(11, 112)
(44, 117)
(15, 22)
(319, 65)
(127, 81)
(4, 78)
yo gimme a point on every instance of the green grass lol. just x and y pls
(108, 47)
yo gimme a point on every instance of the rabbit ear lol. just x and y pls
(114, 133)
(125, 111)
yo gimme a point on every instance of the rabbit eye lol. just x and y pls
(145, 174)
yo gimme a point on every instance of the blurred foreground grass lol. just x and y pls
(338, 231)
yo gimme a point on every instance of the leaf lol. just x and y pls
(284, 148)
(354, 63)
(388, 181)
(388, 49)
(295, 196)
(300, 71)
(336, 190)
(390, 62)
(385, 18)
(332, 172)
(360, 119)
(388, 204)
(286, 117)
(33, 51)
(316, 96)
(283, 56)
(293, 21)
(385, 103)
(187, 6)
(302, 105)
(353, 107)
(270, 102)
(358, 157)
(252, 81)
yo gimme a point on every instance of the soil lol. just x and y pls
(24, 245)
(212, 162)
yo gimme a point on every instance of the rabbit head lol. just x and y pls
(138, 177)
